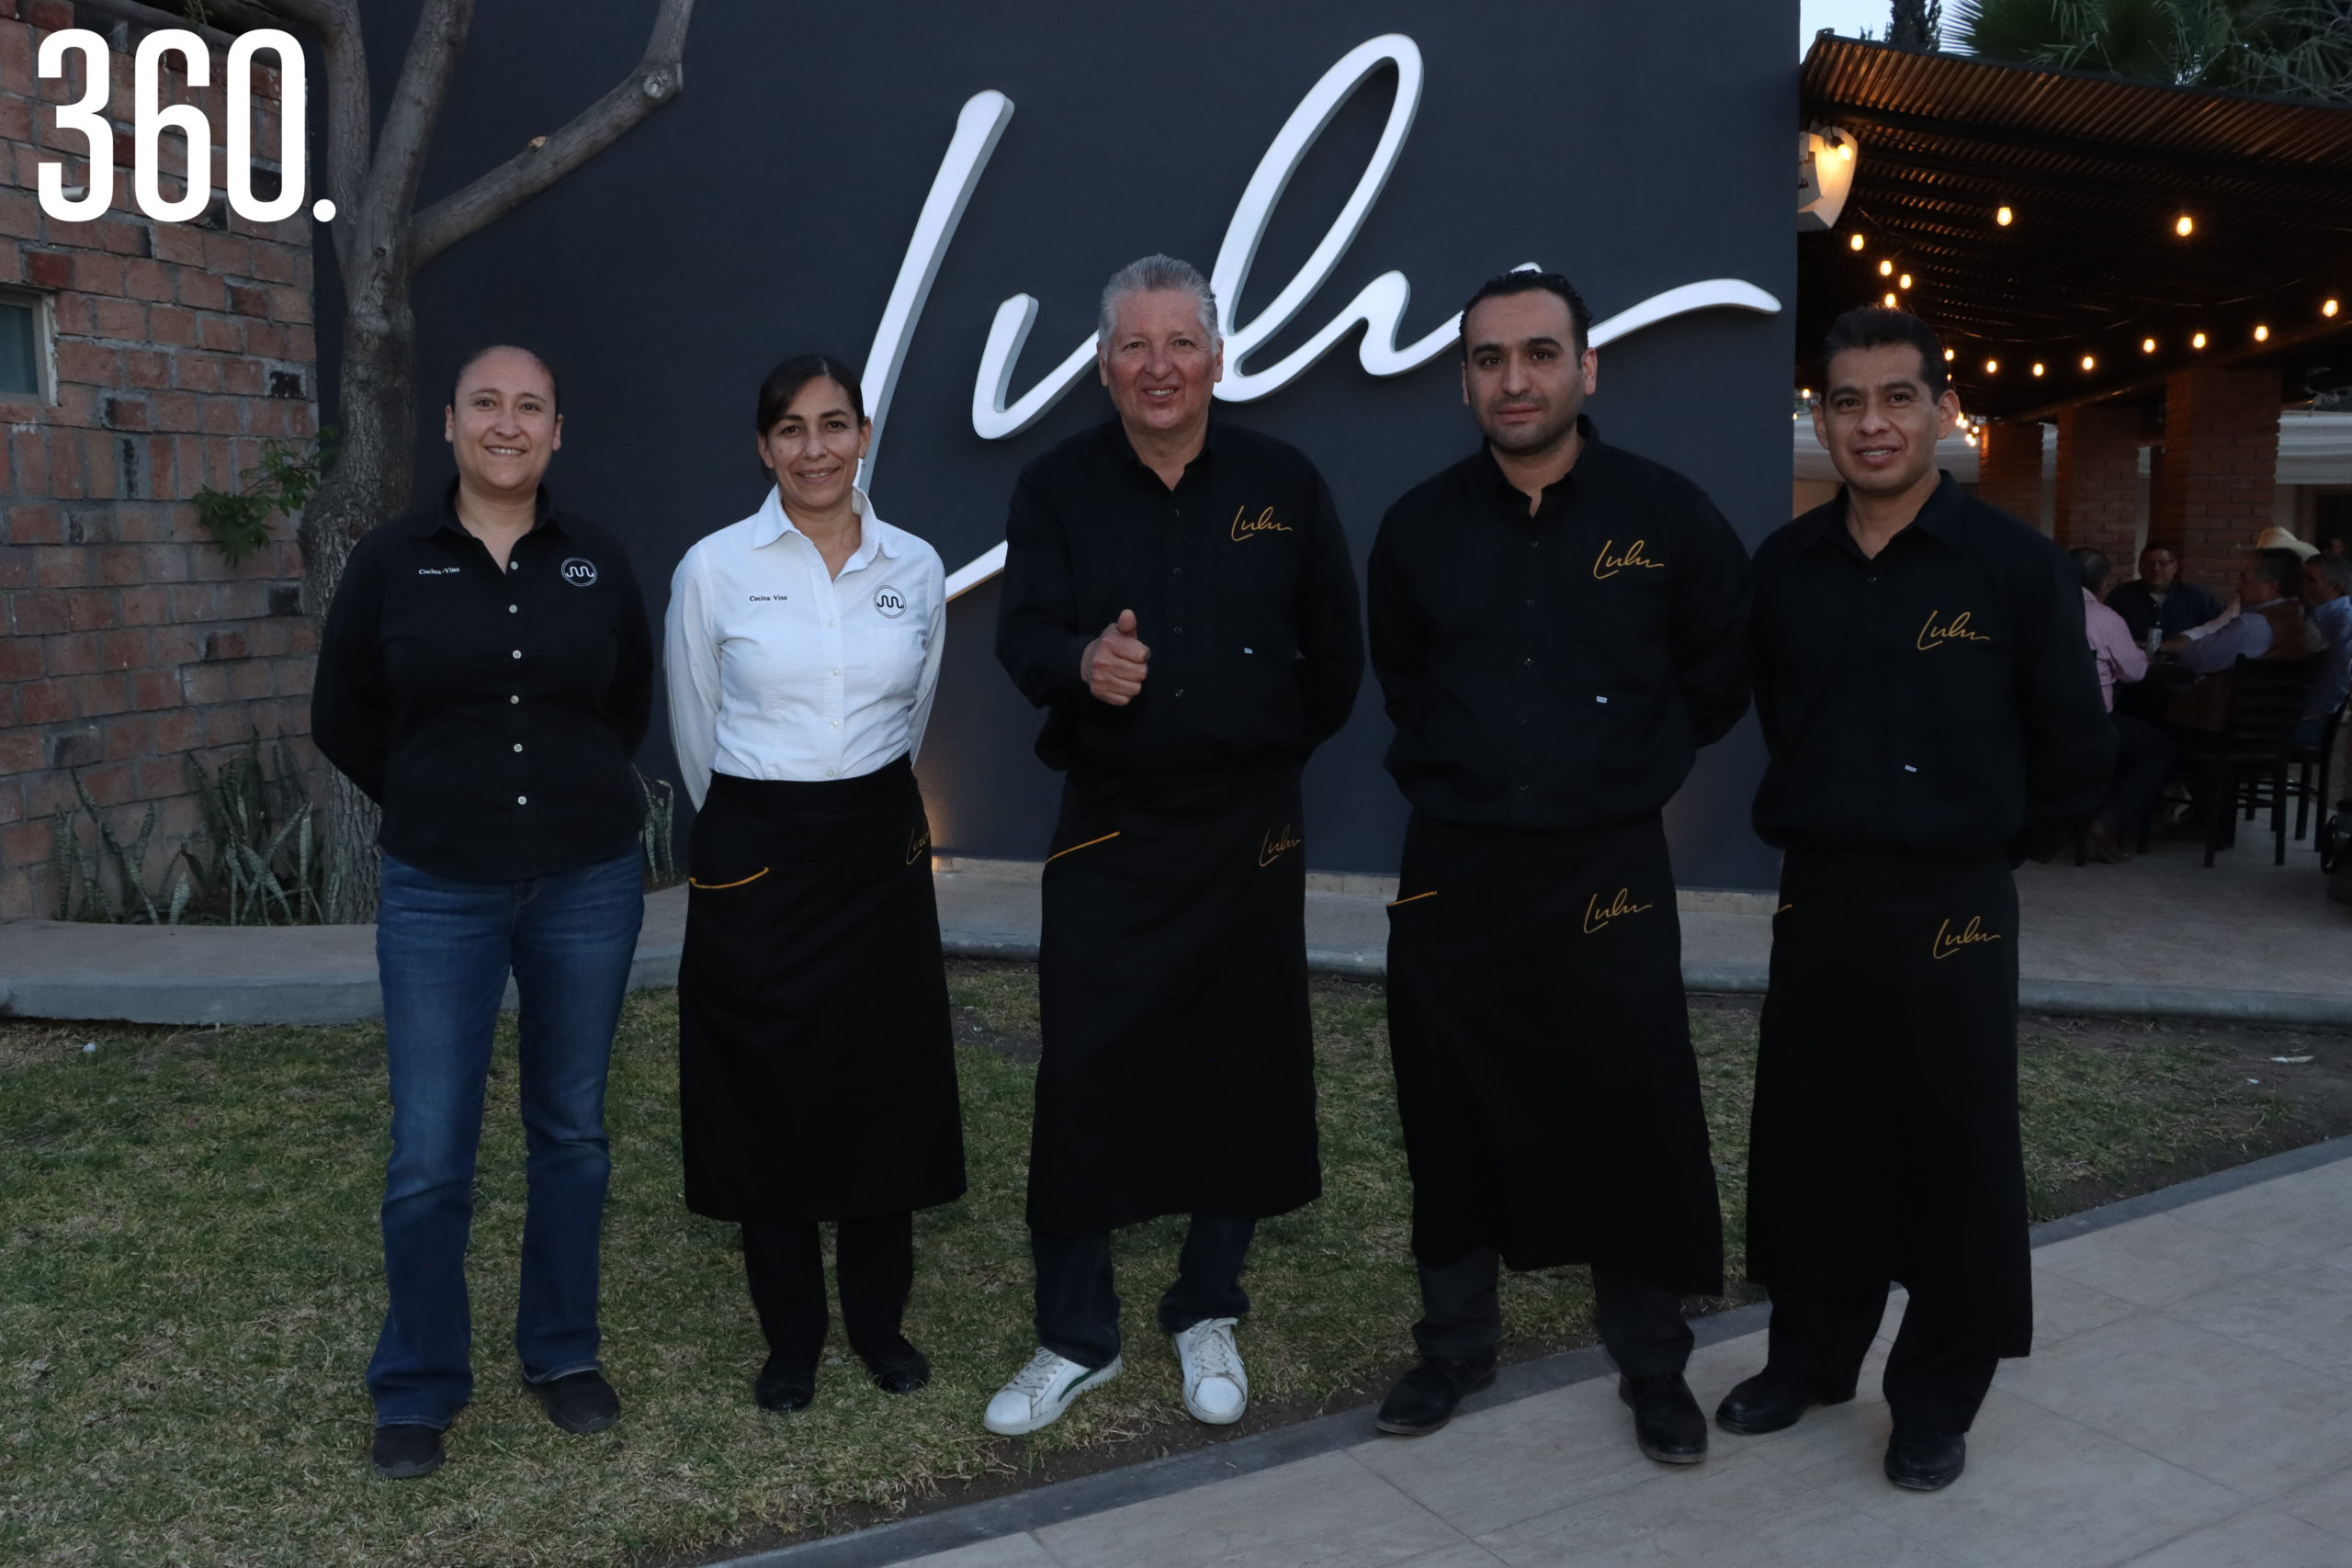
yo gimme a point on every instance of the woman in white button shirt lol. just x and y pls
(816, 1076)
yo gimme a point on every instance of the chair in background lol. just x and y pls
(2320, 754)
(2245, 762)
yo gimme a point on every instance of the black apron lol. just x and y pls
(1542, 1052)
(1885, 1143)
(1177, 1074)
(816, 1068)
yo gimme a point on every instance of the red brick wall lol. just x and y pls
(2098, 482)
(2008, 470)
(2217, 480)
(179, 349)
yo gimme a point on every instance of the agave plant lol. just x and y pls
(2291, 48)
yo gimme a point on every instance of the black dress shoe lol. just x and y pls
(1426, 1398)
(1667, 1424)
(902, 1371)
(783, 1387)
(579, 1402)
(405, 1452)
(1925, 1461)
(1771, 1402)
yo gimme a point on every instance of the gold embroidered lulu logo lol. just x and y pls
(1075, 848)
(1416, 899)
(1278, 844)
(1596, 918)
(1933, 636)
(1948, 942)
(918, 842)
(1631, 558)
(1244, 526)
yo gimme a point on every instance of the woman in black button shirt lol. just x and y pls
(485, 676)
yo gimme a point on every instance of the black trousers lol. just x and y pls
(874, 1259)
(1933, 1383)
(2144, 756)
(1077, 1310)
(1461, 1318)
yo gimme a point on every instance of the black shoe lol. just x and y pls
(1925, 1461)
(579, 1402)
(1425, 1398)
(1668, 1423)
(902, 1371)
(1770, 1402)
(405, 1452)
(783, 1387)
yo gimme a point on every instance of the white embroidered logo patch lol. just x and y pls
(889, 602)
(579, 573)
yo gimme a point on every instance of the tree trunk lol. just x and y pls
(372, 481)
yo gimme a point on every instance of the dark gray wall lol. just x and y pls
(1634, 148)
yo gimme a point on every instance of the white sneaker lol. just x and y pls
(1216, 1389)
(1041, 1391)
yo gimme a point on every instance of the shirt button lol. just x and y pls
(518, 653)
(836, 671)
(830, 724)
(828, 772)
(1529, 662)
(518, 745)
(513, 609)
(1180, 631)
(829, 623)
(1180, 571)
(1531, 603)
(513, 566)
(514, 699)
(1179, 691)
(522, 800)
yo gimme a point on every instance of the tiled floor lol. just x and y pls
(2188, 1405)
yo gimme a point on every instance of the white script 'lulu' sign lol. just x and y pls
(1380, 306)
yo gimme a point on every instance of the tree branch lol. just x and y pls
(389, 194)
(349, 112)
(658, 78)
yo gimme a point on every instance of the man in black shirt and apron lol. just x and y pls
(1558, 624)
(1934, 718)
(1178, 597)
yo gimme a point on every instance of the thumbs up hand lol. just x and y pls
(1114, 664)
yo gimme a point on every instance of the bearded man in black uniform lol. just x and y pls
(1934, 718)
(1558, 625)
(1178, 596)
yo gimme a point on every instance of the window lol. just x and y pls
(21, 347)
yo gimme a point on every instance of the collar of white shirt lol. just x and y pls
(771, 523)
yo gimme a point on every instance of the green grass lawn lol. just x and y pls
(190, 1287)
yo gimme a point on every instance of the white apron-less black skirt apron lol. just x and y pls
(1177, 1074)
(1541, 1046)
(1885, 1141)
(816, 1066)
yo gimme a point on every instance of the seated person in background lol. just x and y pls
(2143, 753)
(2327, 598)
(2267, 621)
(2159, 601)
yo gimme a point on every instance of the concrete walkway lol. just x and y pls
(2247, 940)
(2188, 1404)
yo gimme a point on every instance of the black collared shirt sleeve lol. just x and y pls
(1038, 638)
(1713, 594)
(1331, 626)
(351, 715)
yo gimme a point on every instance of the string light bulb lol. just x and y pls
(1845, 151)
(1903, 282)
(2147, 346)
(2185, 226)
(2329, 308)
(1949, 355)
(1886, 269)
(2005, 217)
(1992, 367)
(2039, 367)
(2089, 361)
(2261, 334)
(1854, 241)
(1890, 301)
(2197, 342)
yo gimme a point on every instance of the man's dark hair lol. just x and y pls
(457, 382)
(2094, 567)
(1875, 326)
(784, 384)
(2337, 569)
(1504, 282)
(2283, 568)
(2154, 544)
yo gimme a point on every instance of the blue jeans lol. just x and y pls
(443, 948)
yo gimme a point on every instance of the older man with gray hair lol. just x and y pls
(1179, 598)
